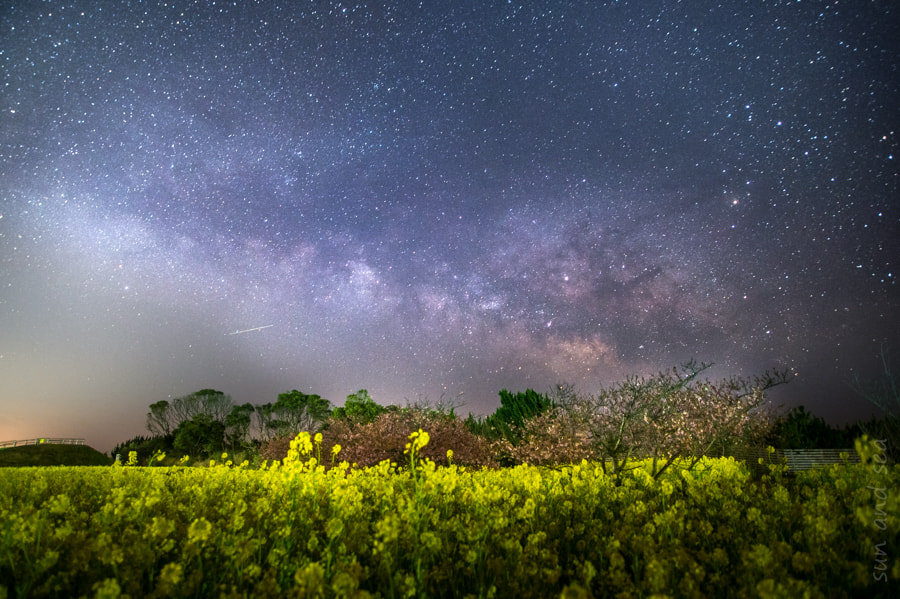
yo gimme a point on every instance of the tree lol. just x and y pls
(665, 417)
(509, 419)
(164, 417)
(295, 411)
(146, 447)
(265, 421)
(884, 393)
(200, 436)
(159, 419)
(359, 408)
(237, 425)
(800, 429)
(729, 413)
(214, 404)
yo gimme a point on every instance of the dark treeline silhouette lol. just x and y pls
(674, 414)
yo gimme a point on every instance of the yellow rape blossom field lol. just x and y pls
(300, 529)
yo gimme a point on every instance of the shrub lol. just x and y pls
(146, 447)
(801, 429)
(664, 417)
(386, 437)
(507, 421)
(359, 408)
(275, 449)
(556, 436)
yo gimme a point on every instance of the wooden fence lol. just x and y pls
(795, 459)
(42, 441)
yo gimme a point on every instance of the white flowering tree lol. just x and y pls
(664, 417)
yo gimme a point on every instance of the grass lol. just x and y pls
(52, 455)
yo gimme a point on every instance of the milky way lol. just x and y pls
(438, 200)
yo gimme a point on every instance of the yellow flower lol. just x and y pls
(108, 589)
(417, 441)
(666, 488)
(171, 575)
(161, 528)
(310, 579)
(302, 443)
(200, 530)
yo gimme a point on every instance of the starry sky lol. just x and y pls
(439, 199)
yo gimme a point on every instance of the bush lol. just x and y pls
(557, 436)
(275, 449)
(386, 437)
(509, 419)
(800, 429)
(664, 417)
(359, 408)
(885, 428)
(146, 447)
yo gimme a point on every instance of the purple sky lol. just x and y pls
(436, 200)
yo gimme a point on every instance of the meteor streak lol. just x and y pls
(249, 330)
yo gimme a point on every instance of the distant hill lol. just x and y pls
(52, 455)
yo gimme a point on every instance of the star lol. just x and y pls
(427, 201)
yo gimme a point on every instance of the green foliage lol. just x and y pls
(359, 408)
(146, 447)
(164, 416)
(200, 436)
(159, 419)
(199, 423)
(800, 429)
(884, 428)
(266, 421)
(295, 411)
(52, 455)
(299, 530)
(509, 419)
(237, 426)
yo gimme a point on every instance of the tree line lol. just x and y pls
(668, 416)
(208, 421)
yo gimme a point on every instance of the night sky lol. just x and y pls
(439, 199)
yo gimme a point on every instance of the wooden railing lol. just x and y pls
(41, 441)
(804, 459)
(795, 459)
